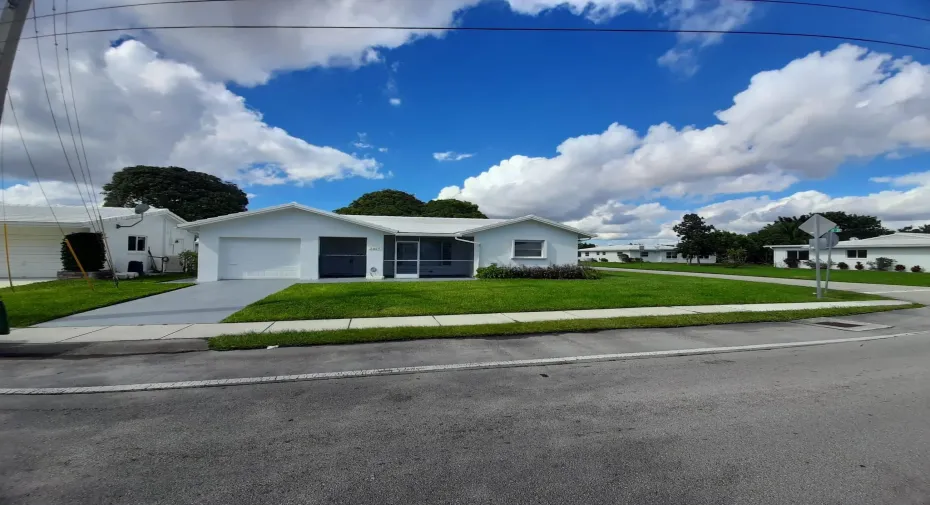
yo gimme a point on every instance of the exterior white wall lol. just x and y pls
(35, 251)
(907, 256)
(654, 256)
(496, 245)
(163, 238)
(291, 223)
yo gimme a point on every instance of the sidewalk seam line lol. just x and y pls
(175, 331)
(82, 334)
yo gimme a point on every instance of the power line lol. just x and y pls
(499, 29)
(781, 2)
(64, 104)
(51, 110)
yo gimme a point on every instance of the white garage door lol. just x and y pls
(259, 258)
(34, 251)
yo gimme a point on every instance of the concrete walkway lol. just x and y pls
(916, 294)
(80, 334)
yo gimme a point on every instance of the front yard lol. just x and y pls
(614, 290)
(861, 276)
(44, 301)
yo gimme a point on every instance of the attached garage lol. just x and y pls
(259, 258)
(343, 256)
(35, 251)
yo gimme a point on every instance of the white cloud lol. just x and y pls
(797, 122)
(362, 141)
(451, 156)
(395, 102)
(250, 195)
(912, 179)
(139, 109)
(382, 149)
(58, 192)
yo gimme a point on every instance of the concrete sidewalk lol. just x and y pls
(81, 334)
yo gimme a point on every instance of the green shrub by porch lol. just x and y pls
(89, 249)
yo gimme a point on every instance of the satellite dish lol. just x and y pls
(141, 208)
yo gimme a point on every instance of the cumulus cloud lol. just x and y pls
(798, 122)
(138, 108)
(395, 102)
(58, 192)
(451, 156)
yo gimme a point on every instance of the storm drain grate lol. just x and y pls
(838, 324)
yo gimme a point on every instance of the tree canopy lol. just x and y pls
(191, 195)
(391, 202)
(925, 228)
(694, 237)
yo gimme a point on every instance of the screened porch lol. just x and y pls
(428, 257)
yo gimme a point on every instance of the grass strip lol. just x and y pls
(356, 336)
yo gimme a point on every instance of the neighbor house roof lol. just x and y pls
(397, 225)
(71, 215)
(628, 247)
(899, 239)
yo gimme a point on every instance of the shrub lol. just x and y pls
(792, 262)
(495, 271)
(882, 264)
(625, 258)
(842, 265)
(900, 268)
(188, 261)
(736, 257)
(859, 265)
(89, 249)
(603, 260)
(916, 269)
(813, 264)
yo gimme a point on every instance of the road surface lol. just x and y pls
(835, 424)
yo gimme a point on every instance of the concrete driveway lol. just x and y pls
(209, 302)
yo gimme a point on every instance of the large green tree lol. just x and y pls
(191, 195)
(452, 208)
(391, 202)
(853, 225)
(694, 237)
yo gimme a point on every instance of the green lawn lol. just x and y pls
(863, 276)
(614, 290)
(44, 301)
(302, 338)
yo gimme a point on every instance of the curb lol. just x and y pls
(436, 368)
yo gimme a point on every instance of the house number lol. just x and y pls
(374, 248)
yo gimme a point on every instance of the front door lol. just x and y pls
(408, 260)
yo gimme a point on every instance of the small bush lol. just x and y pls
(859, 265)
(882, 264)
(89, 249)
(603, 260)
(495, 271)
(625, 258)
(188, 261)
(842, 265)
(900, 268)
(736, 257)
(916, 269)
(813, 264)
(792, 262)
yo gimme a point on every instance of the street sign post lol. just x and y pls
(817, 226)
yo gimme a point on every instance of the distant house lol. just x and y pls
(293, 241)
(907, 249)
(35, 238)
(649, 254)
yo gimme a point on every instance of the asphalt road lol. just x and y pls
(837, 424)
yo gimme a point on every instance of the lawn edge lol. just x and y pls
(59, 316)
(367, 335)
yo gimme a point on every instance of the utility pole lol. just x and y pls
(11, 28)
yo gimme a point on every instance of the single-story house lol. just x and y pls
(906, 249)
(649, 254)
(293, 241)
(35, 238)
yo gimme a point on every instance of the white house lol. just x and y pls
(293, 241)
(35, 239)
(906, 249)
(649, 254)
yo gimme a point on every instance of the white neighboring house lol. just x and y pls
(293, 241)
(649, 254)
(35, 238)
(906, 249)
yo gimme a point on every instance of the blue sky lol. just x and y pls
(498, 95)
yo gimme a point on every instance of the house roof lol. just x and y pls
(627, 247)
(899, 239)
(70, 215)
(397, 225)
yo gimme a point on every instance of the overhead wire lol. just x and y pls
(64, 103)
(51, 110)
(499, 29)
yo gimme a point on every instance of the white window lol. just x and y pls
(670, 255)
(799, 255)
(587, 253)
(857, 253)
(137, 244)
(529, 248)
(644, 254)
